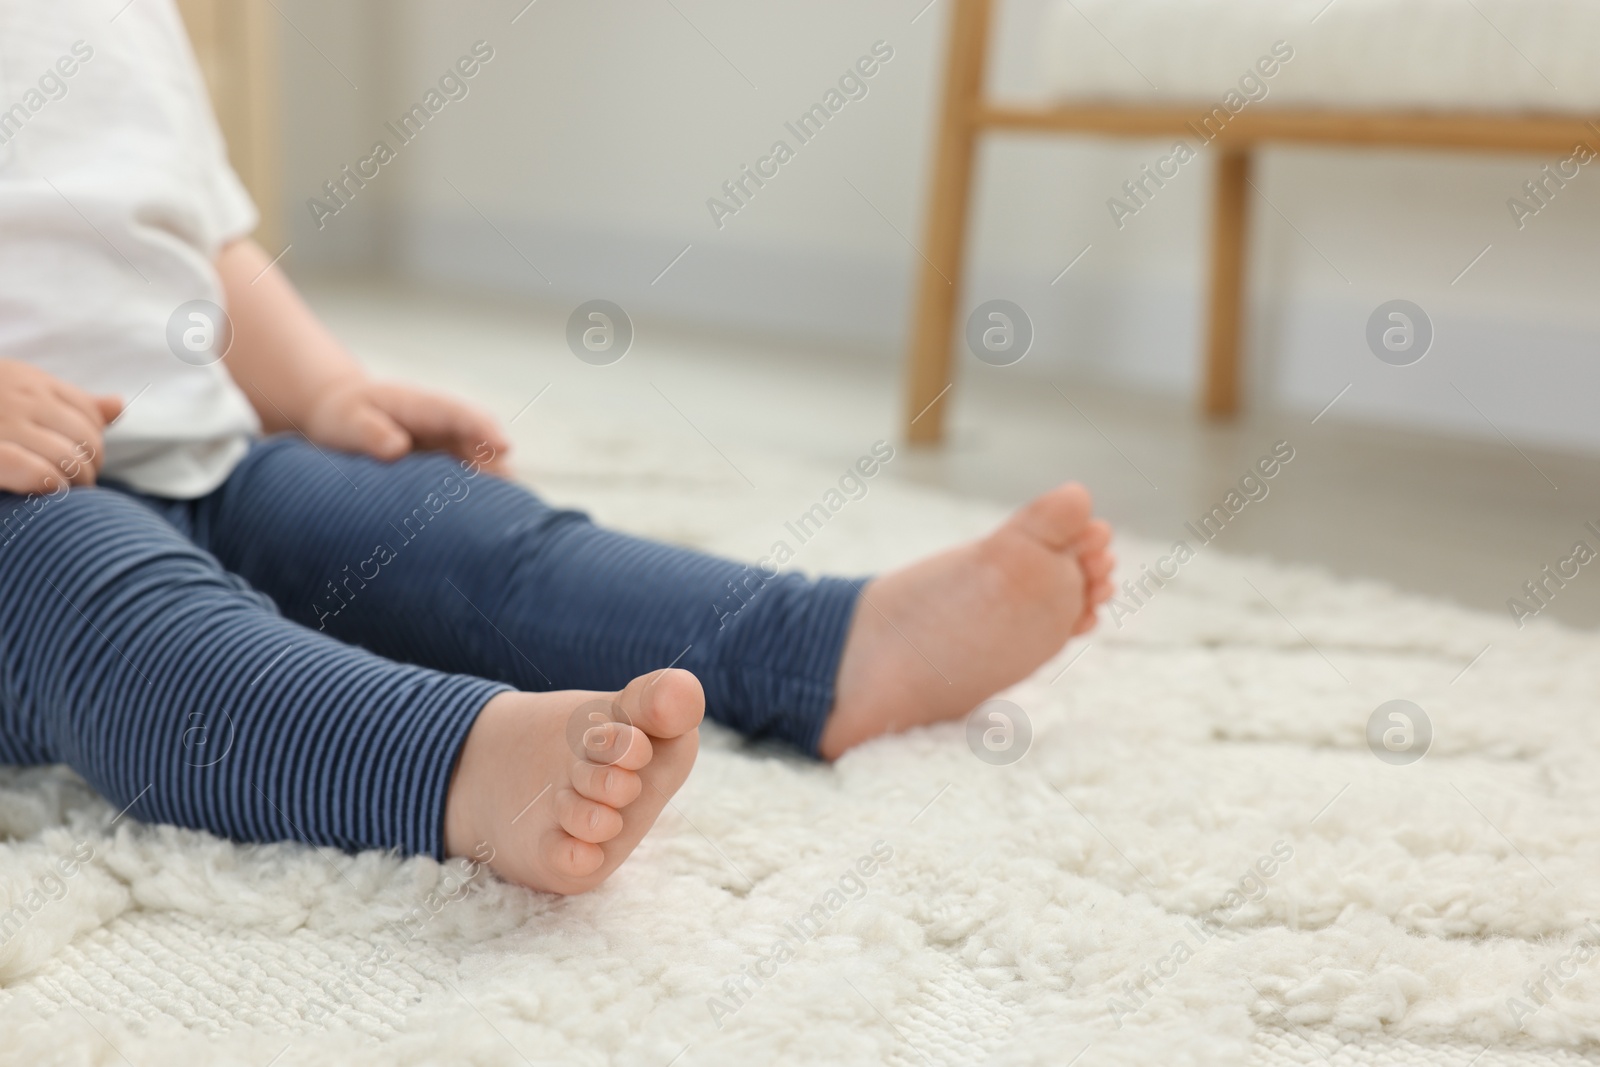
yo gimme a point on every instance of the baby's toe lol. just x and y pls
(1058, 518)
(1096, 537)
(1097, 566)
(571, 858)
(617, 744)
(605, 784)
(665, 703)
(586, 820)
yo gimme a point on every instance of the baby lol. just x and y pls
(250, 589)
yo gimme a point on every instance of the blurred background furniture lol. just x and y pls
(1426, 74)
(236, 42)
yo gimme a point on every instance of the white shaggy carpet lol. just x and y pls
(1171, 757)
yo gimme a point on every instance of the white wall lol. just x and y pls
(593, 139)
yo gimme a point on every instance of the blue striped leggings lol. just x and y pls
(300, 654)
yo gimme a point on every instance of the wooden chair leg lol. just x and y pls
(1225, 324)
(928, 362)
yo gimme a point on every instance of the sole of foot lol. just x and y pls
(557, 789)
(933, 640)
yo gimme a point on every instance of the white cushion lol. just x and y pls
(1454, 55)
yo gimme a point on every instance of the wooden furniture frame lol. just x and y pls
(236, 44)
(966, 112)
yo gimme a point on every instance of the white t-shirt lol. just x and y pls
(115, 198)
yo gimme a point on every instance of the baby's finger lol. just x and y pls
(493, 461)
(69, 422)
(55, 449)
(24, 471)
(373, 432)
(476, 435)
(80, 400)
(446, 423)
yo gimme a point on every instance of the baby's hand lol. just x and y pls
(387, 420)
(49, 430)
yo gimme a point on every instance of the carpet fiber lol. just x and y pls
(1200, 777)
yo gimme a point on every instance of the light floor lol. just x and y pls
(1463, 520)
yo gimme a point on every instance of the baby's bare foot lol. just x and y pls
(933, 640)
(562, 786)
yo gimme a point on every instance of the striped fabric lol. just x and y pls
(300, 654)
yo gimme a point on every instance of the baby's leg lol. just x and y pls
(420, 562)
(179, 692)
(423, 563)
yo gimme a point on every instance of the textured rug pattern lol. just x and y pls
(1200, 776)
